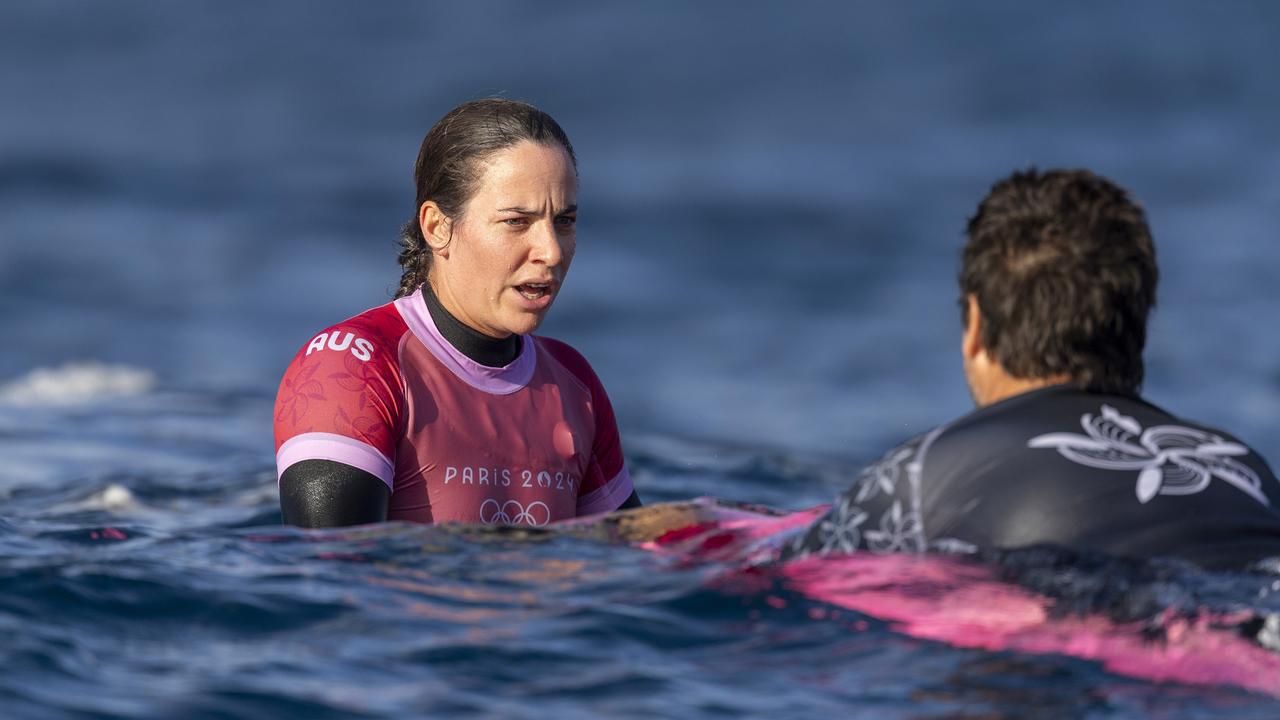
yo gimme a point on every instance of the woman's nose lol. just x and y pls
(547, 248)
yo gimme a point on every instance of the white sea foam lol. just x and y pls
(117, 497)
(114, 498)
(75, 383)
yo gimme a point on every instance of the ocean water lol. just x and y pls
(772, 200)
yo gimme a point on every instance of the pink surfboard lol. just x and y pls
(948, 599)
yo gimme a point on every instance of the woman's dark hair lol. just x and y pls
(1064, 270)
(448, 167)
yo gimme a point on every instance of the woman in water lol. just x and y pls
(441, 405)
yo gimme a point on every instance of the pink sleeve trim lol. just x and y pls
(339, 448)
(607, 497)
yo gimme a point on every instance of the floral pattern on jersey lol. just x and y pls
(900, 527)
(322, 393)
(296, 394)
(360, 416)
(898, 532)
(366, 428)
(1170, 459)
(882, 477)
(355, 376)
(840, 528)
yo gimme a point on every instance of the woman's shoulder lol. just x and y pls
(381, 323)
(374, 333)
(570, 358)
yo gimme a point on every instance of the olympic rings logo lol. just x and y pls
(512, 512)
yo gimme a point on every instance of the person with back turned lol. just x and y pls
(1057, 280)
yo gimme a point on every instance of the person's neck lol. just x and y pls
(989, 382)
(488, 351)
(1006, 386)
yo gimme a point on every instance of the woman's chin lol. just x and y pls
(523, 323)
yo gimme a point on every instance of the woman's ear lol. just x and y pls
(437, 228)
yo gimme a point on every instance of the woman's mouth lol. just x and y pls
(535, 291)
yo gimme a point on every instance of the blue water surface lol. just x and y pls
(772, 203)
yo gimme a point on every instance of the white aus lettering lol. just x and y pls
(360, 348)
(363, 350)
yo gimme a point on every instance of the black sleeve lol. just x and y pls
(324, 493)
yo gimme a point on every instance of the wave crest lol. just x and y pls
(75, 383)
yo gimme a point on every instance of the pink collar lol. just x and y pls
(495, 381)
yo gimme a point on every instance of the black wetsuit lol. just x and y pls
(1059, 465)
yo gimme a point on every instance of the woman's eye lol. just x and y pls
(516, 222)
(566, 221)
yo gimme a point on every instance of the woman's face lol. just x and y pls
(510, 248)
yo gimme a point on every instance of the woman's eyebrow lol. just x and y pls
(527, 211)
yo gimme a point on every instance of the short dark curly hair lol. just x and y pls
(448, 166)
(1063, 267)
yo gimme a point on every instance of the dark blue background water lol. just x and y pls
(772, 201)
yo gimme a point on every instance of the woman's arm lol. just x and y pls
(324, 493)
(337, 419)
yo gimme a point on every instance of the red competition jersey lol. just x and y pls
(455, 441)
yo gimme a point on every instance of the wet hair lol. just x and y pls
(1064, 270)
(448, 169)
